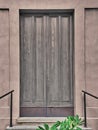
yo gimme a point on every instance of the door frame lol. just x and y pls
(56, 12)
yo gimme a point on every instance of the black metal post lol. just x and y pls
(11, 109)
(85, 118)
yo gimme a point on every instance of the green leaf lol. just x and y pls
(41, 128)
(38, 129)
(78, 128)
(46, 126)
(55, 126)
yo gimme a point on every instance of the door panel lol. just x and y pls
(52, 61)
(39, 92)
(27, 61)
(58, 63)
(46, 64)
(32, 62)
(46, 111)
(59, 111)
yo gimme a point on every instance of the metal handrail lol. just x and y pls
(11, 104)
(91, 95)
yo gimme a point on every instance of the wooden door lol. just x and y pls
(46, 64)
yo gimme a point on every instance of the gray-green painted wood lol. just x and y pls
(46, 61)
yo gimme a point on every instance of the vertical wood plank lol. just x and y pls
(26, 59)
(71, 60)
(64, 66)
(52, 59)
(39, 60)
(33, 45)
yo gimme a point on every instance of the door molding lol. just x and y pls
(56, 13)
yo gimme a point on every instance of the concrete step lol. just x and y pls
(23, 127)
(35, 121)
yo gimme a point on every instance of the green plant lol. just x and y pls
(53, 127)
(70, 123)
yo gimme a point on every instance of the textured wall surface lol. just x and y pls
(85, 53)
(91, 58)
(4, 66)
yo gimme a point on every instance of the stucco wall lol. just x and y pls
(85, 52)
(91, 59)
(4, 64)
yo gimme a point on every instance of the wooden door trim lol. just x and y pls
(46, 111)
(61, 13)
(67, 12)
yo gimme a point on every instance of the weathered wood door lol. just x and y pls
(46, 64)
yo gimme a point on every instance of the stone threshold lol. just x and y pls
(39, 119)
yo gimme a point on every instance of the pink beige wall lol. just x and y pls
(86, 52)
(4, 65)
(91, 61)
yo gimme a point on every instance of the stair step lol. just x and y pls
(32, 128)
(39, 119)
(21, 128)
